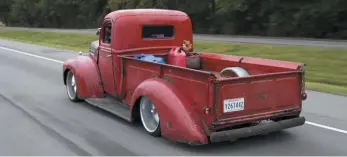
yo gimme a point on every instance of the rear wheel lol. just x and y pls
(150, 117)
(71, 87)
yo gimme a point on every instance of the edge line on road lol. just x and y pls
(326, 127)
(32, 55)
(61, 62)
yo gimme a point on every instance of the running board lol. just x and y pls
(111, 105)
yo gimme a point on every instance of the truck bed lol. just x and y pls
(272, 90)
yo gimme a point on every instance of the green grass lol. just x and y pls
(326, 67)
(75, 42)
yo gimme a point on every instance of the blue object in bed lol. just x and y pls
(149, 58)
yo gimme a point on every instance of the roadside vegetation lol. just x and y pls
(326, 67)
(285, 18)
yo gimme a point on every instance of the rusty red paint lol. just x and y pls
(87, 76)
(173, 107)
(181, 94)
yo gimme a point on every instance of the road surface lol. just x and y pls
(227, 38)
(38, 119)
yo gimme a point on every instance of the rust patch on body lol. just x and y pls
(168, 125)
(168, 79)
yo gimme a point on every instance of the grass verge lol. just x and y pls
(326, 67)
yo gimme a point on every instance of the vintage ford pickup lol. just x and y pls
(143, 68)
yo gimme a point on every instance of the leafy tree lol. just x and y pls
(309, 18)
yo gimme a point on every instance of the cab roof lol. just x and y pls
(133, 12)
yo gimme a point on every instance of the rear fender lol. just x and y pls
(86, 74)
(178, 122)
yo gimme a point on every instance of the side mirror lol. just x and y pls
(98, 31)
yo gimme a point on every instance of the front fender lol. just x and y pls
(178, 122)
(86, 74)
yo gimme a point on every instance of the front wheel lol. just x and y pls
(71, 87)
(150, 117)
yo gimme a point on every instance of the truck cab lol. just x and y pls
(190, 97)
(129, 30)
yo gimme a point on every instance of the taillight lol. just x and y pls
(303, 87)
(207, 110)
(303, 96)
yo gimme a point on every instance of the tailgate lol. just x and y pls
(252, 97)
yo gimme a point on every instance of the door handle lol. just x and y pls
(108, 56)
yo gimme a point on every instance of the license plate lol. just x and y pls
(232, 105)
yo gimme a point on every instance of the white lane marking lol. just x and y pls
(32, 55)
(57, 61)
(326, 127)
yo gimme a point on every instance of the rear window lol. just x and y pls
(157, 32)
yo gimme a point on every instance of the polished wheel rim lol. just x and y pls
(71, 85)
(238, 71)
(149, 115)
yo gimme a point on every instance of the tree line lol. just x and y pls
(285, 18)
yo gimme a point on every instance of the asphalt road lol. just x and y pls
(227, 38)
(36, 118)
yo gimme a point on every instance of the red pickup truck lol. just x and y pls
(143, 68)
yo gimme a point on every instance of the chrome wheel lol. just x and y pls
(236, 71)
(71, 86)
(149, 117)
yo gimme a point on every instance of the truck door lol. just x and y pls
(106, 59)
